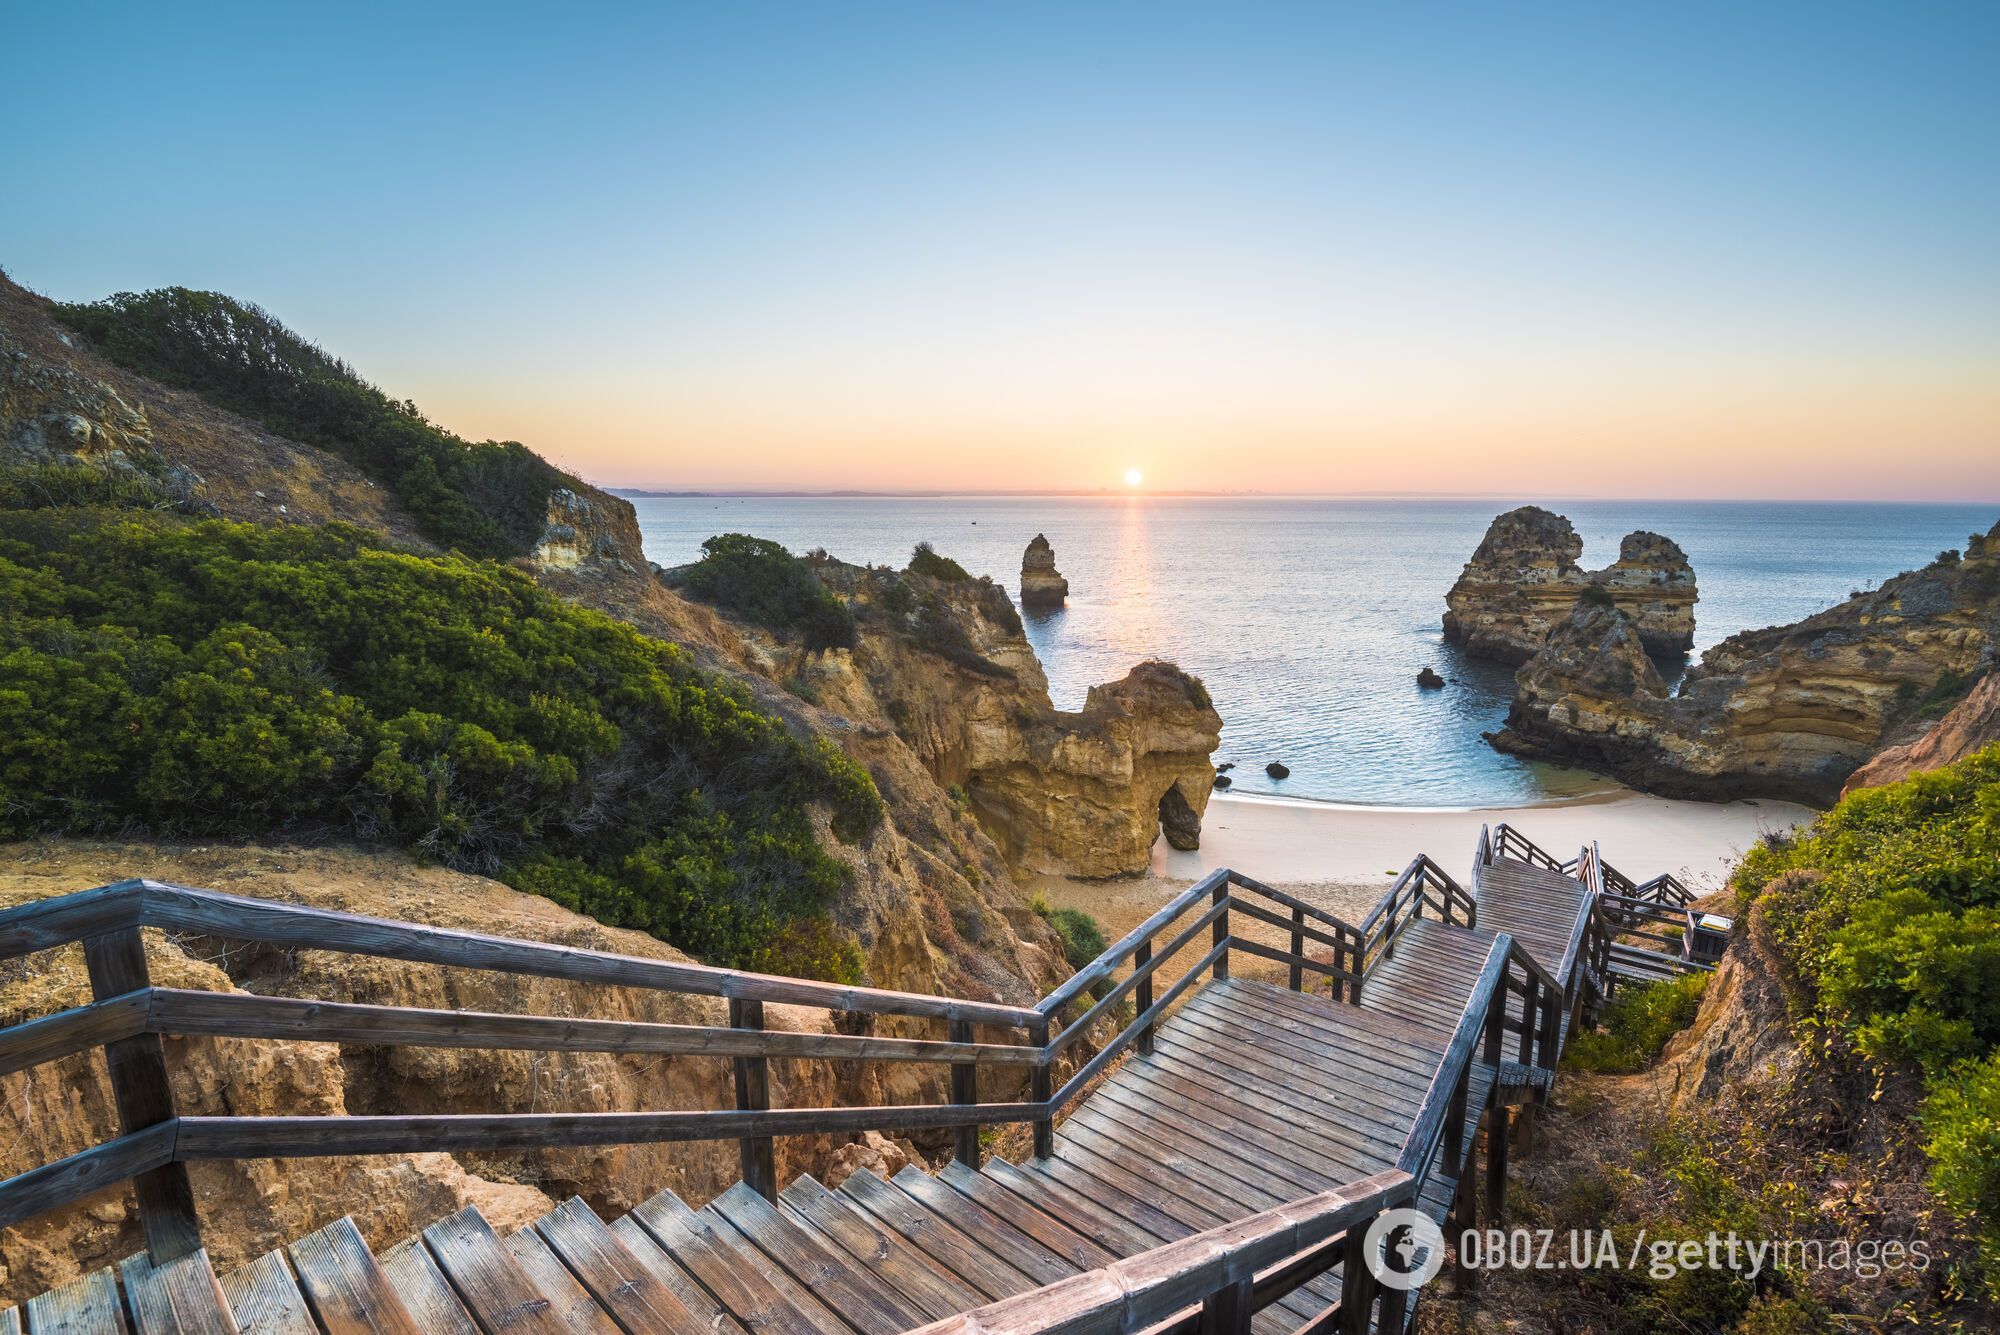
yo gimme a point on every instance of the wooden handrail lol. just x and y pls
(1428, 1129)
(1101, 968)
(1152, 1288)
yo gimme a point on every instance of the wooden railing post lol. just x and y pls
(1530, 990)
(1357, 1282)
(1357, 957)
(1298, 975)
(1496, 1165)
(1219, 933)
(1454, 1124)
(1142, 996)
(964, 1094)
(1228, 1310)
(758, 1164)
(1039, 1088)
(140, 1087)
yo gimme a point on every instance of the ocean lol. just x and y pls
(1309, 619)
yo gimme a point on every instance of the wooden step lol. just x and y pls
(859, 1295)
(87, 1305)
(344, 1288)
(264, 1298)
(181, 1297)
(738, 1282)
(615, 1278)
(425, 1292)
(488, 1279)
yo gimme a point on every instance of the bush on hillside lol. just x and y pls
(199, 679)
(762, 582)
(1637, 1024)
(488, 499)
(925, 561)
(1081, 935)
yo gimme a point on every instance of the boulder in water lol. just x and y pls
(1277, 770)
(1430, 680)
(1042, 585)
(1222, 781)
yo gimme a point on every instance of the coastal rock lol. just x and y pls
(1787, 712)
(1971, 725)
(589, 534)
(1278, 770)
(1041, 584)
(1221, 781)
(1523, 580)
(1429, 679)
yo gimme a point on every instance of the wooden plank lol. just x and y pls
(424, 1291)
(1141, 975)
(569, 1302)
(985, 1227)
(182, 908)
(1287, 1090)
(487, 1278)
(798, 1295)
(1164, 1112)
(264, 1299)
(620, 1285)
(902, 1267)
(247, 1015)
(1360, 1095)
(49, 1037)
(708, 1312)
(179, 1296)
(849, 1288)
(87, 1305)
(309, 1137)
(944, 1244)
(75, 1176)
(57, 922)
(1049, 1233)
(10, 1321)
(1106, 964)
(737, 1283)
(1310, 1128)
(343, 1285)
(144, 1096)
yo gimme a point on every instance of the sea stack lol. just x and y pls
(1523, 580)
(1042, 585)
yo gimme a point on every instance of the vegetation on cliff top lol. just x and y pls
(487, 499)
(213, 678)
(764, 583)
(1888, 910)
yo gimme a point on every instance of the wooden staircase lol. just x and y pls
(1245, 1109)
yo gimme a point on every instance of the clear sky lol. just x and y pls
(1614, 249)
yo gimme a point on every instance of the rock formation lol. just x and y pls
(945, 666)
(1429, 679)
(1789, 711)
(1523, 580)
(1041, 584)
(1973, 724)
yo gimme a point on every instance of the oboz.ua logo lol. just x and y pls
(1403, 1249)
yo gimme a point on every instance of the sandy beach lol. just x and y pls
(1341, 858)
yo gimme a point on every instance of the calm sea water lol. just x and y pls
(1308, 619)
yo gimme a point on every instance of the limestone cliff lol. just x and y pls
(1042, 585)
(943, 667)
(1523, 580)
(1789, 711)
(1971, 725)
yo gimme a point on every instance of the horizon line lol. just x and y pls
(1114, 493)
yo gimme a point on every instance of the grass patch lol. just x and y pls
(1636, 1025)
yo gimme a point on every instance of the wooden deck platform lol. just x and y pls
(1251, 1096)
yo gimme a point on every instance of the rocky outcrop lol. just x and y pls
(1041, 584)
(589, 532)
(1973, 724)
(945, 667)
(1785, 712)
(1523, 580)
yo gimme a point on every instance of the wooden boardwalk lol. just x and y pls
(1244, 1097)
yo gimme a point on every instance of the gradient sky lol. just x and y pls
(1601, 249)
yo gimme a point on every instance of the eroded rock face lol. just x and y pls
(1787, 712)
(589, 532)
(1971, 725)
(946, 667)
(1523, 580)
(1041, 584)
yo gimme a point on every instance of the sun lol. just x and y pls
(1133, 477)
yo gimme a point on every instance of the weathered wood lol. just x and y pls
(1227, 1311)
(181, 908)
(344, 1287)
(755, 1154)
(614, 1277)
(1109, 1052)
(487, 1278)
(145, 1098)
(44, 923)
(51, 1037)
(178, 1298)
(964, 1094)
(1141, 976)
(868, 1304)
(1357, 1283)
(1039, 1080)
(944, 1243)
(309, 1137)
(1220, 933)
(28, 1194)
(899, 1266)
(740, 1286)
(987, 1229)
(572, 1306)
(264, 1299)
(1427, 1129)
(1048, 1232)
(1295, 976)
(424, 1291)
(1142, 998)
(246, 1015)
(87, 1305)
(1101, 968)
(710, 1315)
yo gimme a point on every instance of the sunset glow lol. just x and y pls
(1133, 477)
(1504, 251)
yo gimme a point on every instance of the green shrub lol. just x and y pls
(58, 486)
(1961, 1120)
(1943, 694)
(1637, 1024)
(937, 631)
(489, 499)
(762, 582)
(1081, 936)
(925, 561)
(197, 679)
